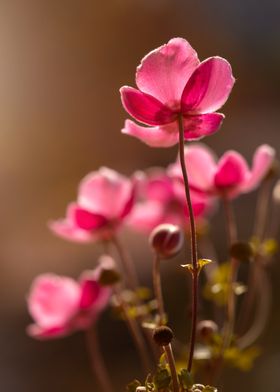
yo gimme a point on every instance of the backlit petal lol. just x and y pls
(209, 87)
(164, 72)
(161, 136)
(198, 126)
(145, 108)
(232, 171)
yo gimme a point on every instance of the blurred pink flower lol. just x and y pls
(105, 198)
(172, 81)
(229, 176)
(162, 200)
(60, 305)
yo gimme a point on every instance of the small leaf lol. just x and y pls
(189, 267)
(203, 262)
(185, 379)
(162, 378)
(162, 360)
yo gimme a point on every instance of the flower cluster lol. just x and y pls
(176, 100)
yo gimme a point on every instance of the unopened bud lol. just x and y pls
(167, 240)
(241, 251)
(206, 329)
(163, 335)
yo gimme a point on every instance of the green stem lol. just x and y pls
(157, 288)
(135, 332)
(193, 243)
(97, 362)
(172, 366)
(128, 266)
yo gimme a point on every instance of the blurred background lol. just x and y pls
(62, 63)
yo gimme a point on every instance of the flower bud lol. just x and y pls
(206, 329)
(163, 335)
(241, 251)
(167, 240)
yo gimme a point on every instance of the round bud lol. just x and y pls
(167, 240)
(241, 251)
(206, 329)
(163, 335)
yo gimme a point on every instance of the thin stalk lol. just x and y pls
(264, 306)
(262, 210)
(172, 366)
(230, 310)
(97, 362)
(194, 255)
(230, 221)
(259, 234)
(232, 237)
(157, 288)
(128, 266)
(135, 333)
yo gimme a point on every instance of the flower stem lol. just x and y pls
(230, 221)
(128, 266)
(193, 243)
(157, 288)
(97, 362)
(135, 332)
(172, 366)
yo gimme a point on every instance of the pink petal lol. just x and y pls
(90, 290)
(164, 72)
(129, 204)
(53, 300)
(201, 166)
(67, 231)
(145, 108)
(163, 136)
(89, 221)
(66, 228)
(37, 332)
(94, 295)
(198, 126)
(231, 172)
(146, 215)
(98, 191)
(209, 87)
(159, 187)
(262, 161)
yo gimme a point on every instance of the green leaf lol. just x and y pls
(200, 264)
(162, 378)
(185, 379)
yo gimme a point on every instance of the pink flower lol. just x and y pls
(230, 176)
(172, 81)
(60, 305)
(162, 200)
(105, 198)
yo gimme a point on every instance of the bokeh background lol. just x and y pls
(61, 66)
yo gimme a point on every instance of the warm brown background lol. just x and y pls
(61, 65)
